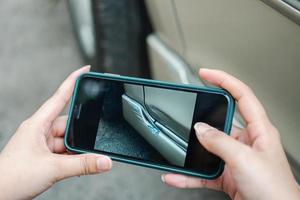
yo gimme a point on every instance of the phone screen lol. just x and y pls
(143, 122)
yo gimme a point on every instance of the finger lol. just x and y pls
(83, 164)
(181, 181)
(55, 105)
(59, 126)
(249, 106)
(56, 145)
(219, 143)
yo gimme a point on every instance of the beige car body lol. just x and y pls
(256, 41)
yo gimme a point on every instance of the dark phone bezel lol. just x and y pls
(161, 84)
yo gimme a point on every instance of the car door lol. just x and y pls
(256, 41)
(159, 117)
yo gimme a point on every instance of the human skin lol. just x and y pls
(256, 166)
(35, 157)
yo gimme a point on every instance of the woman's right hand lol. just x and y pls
(256, 165)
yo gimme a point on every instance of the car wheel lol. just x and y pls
(115, 40)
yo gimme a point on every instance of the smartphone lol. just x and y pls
(146, 122)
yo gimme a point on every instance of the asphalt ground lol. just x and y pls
(117, 136)
(37, 52)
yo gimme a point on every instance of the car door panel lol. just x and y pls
(172, 108)
(250, 39)
(257, 44)
(136, 115)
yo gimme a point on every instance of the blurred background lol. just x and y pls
(38, 51)
(41, 42)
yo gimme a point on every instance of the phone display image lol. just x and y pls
(151, 113)
(148, 123)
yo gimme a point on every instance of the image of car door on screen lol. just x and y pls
(161, 116)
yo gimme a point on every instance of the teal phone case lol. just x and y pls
(227, 128)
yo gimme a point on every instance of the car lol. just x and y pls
(150, 111)
(257, 41)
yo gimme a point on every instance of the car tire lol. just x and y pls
(119, 33)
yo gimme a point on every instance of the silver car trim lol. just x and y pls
(171, 57)
(134, 114)
(285, 9)
(153, 124)
(177, 139)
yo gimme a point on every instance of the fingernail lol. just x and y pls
(82, 70)
(204, 69)
(178, 181)
(87, 66)
(104, 164)
(163, 178)
(201, 129)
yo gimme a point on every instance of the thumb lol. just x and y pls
(219, 143)
(82, 164)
